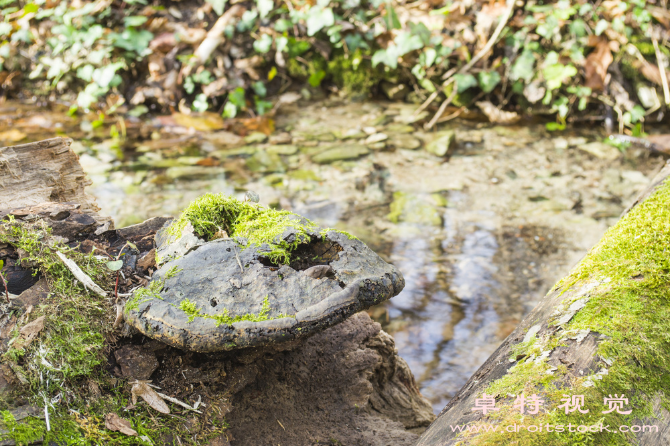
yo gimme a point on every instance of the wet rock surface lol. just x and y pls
(219, 278)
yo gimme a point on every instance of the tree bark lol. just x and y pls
(579, 357)
(43, 171)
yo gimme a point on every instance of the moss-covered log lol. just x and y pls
(601, 334)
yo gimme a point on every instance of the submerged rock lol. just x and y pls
(443, 143)
(345, 152)
(229, 293)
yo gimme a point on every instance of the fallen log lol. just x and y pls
(589, 364)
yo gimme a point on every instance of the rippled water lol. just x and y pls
(479, 237)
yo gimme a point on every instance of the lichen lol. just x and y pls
(192, 310)
(630, 315)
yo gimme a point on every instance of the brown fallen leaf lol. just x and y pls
(199, 121)
(662, 142)
(648, 70)
(12, 135)
(142, 389)
(113, 422)
(597, 64)
(497, 116)
(29, 332)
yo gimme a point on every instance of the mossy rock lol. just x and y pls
(234, 292)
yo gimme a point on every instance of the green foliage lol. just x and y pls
(90, 50)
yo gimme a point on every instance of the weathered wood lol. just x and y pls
(573, 358)
(43, 171)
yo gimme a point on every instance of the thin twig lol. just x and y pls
(454, 115)
(177, 402)
(661, 69)
(442, 108)
(80, 275)
(448, 79)
(4, 282)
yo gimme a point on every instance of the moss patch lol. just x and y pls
(191, 309)
(631, 314)
(214, 213)
(60, 365)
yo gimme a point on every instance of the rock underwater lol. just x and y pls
(277, 277)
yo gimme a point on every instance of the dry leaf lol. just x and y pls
(289, 98)
(648, 70)
(662, 142)
(12, 135)
(29, 332)
(142, 389)
(497, 116)
(113, 422)
(597, 64)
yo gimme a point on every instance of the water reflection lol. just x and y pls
(464, 231)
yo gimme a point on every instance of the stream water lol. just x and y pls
(479, 236)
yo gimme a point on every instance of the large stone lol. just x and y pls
(345, 152)
(442, 144)
(221, 278)
(404, 141)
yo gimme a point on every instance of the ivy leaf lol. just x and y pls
(229, 110)
(281, 43)
(135, 20)
(391, 18)
(318, 18)
(236, 97)
(5, 28)
(2, 264)
(263, 44)
(262, 106)
(200, 103)
(601, 26)
(259, 87)
(316, 78)
(488, 80)
(114, 265)
(427, 58)
(465, 81)
(406, 42)
(554, 74)
(217, 5)
(264, 7)
(383, 56)
(523, 66)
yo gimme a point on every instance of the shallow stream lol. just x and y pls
(480, 235)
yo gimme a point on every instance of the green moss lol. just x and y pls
(354, 73)
(191, 309)
(172, 272)
(258, 224)
(142, 295)
(630, 310)
(69, 354)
